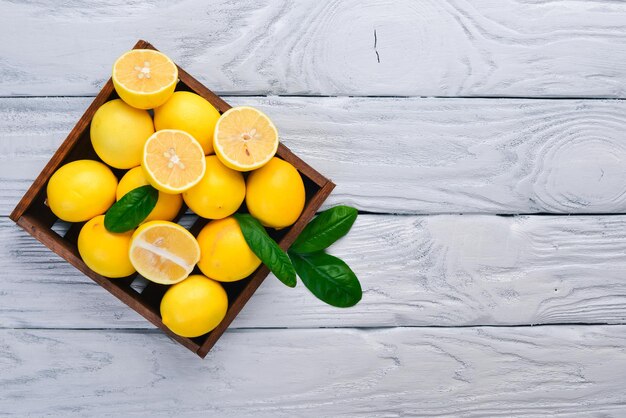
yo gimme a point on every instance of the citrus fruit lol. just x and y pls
(80, 190)
(118, 133)
(144, 78)
(190, 113)
(225, 255)
(173, 161)
(194, 306)
(220, 192)
(105, 252)
(245, 138)
(163, 252)
(168, 205)
(275, 194)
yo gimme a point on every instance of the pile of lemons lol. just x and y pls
(190, 153)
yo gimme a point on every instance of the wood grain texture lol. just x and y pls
(407, 48)
(409, 156)
(544, 371)
(415, 271)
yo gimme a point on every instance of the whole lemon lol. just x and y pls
(80, 190)
(105, 252)
(275, 194)
(224, 253)
(119, 132)
(190, 113)
(167, 206)
(194, 306)
(220, 192)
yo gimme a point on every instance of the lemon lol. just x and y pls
(80, 190)
(190, 113)
(119, 132)
(105, 252)
(225, 255)
(173, 161)
(168, 205)
(194, 306)
(220, 192)
(245, 138)
(144, 78)
(275, 194)
(163, 252)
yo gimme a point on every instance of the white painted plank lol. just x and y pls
(415, 271)
(402, 155)
(430, 47)
(567, 371)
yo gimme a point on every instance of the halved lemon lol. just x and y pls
(144, 78)
(245, 138)
(173, 161)
(163, 252)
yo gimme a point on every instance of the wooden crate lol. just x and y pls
(37, 219)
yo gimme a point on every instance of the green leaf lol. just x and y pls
(328, 278)
(266, 249)
(325, 229)
(128, 212)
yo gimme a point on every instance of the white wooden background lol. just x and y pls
(485, 143)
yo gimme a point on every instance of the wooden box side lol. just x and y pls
(66, 147)
(262, 272)
(61, 153)
(313, 204)
(69, 252)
